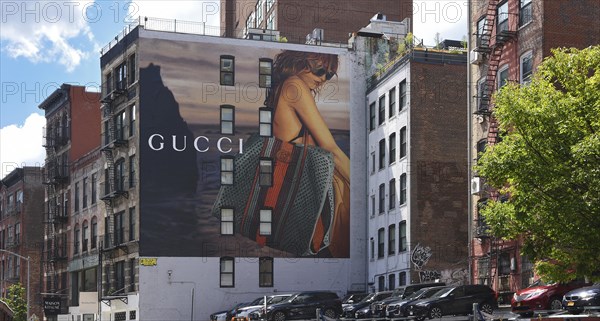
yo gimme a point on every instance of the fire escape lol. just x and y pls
(114, 140)
(56, 177)
(498, 29)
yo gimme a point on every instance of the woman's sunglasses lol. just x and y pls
(319, 72)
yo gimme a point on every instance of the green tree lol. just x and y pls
(548, 163)
(16, 300)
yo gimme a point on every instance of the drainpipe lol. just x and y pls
(469, 144)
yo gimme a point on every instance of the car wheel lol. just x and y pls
(555, 304)
(435, 313)
(486, 308)
(330, 314)
(278, 316)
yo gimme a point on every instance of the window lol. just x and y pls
(85, 236)
(269, 4)
(76, 239)
(382, 153)
(504, 262)
(132, 223)
(132, 69)
(76, 197)
(402, 189)
(480, 28)
(227, 221)
(131, 171)
(132, 281)
(381, 198)
(271, 21)
(392, 200)
(392, 102)
(266, 221)
(525, 12)
(94, 190)
(227, 170)
(120, 276)
(264, 72)
(482, 95)
(392, 239)
(372, 242)
(481, 145)
(259, 12)
(402, 278)
(502, 76)
(265, 272)
(227, 273)
(372, 116)
(265, 172)
(380, 242)
(372, 205)
(17, 233)
(227, 70)
(381, 109)
(132, 120)
(373, 163)
(250, 22)
(391, 281)
(84, 190)
(108, 83)
(121, 76)
(265, 119)
(502, 13)
(403, 142)
(381, 283)
(227, 122)
(402, 96)
(94, 233)
(120, 126)
(526, 63)
(120, 175)
(403, 246)
(119, 228)
(392, 148)
(107, 279)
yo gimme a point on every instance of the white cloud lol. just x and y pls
(448, 17)
(196, 11)
(21, 145)
(43, 31)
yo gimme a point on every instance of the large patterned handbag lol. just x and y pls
(299, 196)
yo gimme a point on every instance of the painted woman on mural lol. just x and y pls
(297, 78)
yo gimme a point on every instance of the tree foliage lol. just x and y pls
(16, 300)
(548, 163)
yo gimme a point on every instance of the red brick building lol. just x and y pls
(509, 39)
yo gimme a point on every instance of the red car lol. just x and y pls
(542, 296)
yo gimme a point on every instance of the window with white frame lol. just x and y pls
(372, 121)
(402, 189)
(526, 64)
(382, 153)
(502, 14)
(227, 119)
(271, 21)
(403, 240)
(392, 239)
(525, 12)
(502, 76)
(372, 242)
(266, 221)
(392, 197)
(381, 198)
(373, 206)
(227, 227)
(373, 163)
(227, 170)
(392, 148)
(265, 66)
(480, 28)
(381, 109)
(403, 142)
(227, 272)
(380, 242)
(259, 13)
(392, 102)
(402, 100)
(265, 272)
(270, 4)
(482, 95)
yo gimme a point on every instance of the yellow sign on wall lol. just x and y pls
(148, 261)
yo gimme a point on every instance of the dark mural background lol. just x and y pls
(180, 95)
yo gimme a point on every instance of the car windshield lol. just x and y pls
(369, 298)
(442, 293)
(398, 292)
(416, 295)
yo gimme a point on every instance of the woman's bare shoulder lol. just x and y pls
(295, 89)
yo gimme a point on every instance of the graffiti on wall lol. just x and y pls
(429, 276)
(420, 257)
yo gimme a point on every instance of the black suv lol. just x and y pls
(454, 301)
(402, 292)
(351, 311)
(398, 307)
(304, 305)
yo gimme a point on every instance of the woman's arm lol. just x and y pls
(298, 96)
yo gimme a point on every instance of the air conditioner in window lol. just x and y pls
(475, 57)
(476, 185)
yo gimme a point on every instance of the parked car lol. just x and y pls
(303, 305)
(397, 308)
(243, 313)
(226, 315)
(454, 300)
(399, 293)
(577, 300)
(542, 296)
(353, 298)
(351, 310)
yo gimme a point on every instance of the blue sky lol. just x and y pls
(44, 44)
